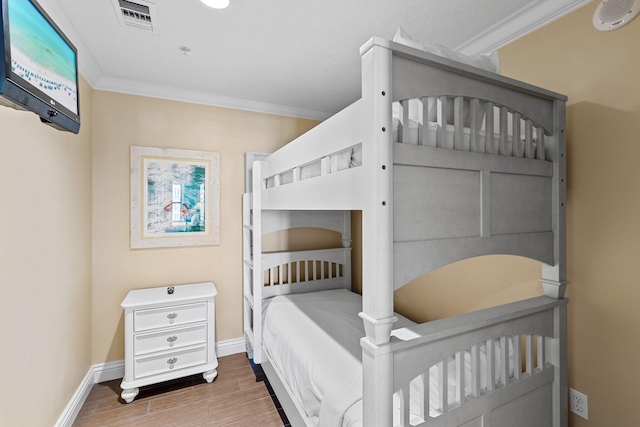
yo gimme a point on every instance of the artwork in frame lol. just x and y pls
(175, 197)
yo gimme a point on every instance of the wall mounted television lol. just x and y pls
(38, 65)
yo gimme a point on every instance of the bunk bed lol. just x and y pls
(446, 162)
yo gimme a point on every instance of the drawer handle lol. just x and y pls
(172, 317)
(172, 340)
(172, 362)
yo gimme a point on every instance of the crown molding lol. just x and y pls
(526, 20)
(153, 90)
(520, 23)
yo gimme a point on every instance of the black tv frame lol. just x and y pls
(18, 93)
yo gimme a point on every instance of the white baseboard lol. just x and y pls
(108, 371)
(77, 400)
(229, 347)
(113, 370)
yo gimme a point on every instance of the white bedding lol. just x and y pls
(314, 341)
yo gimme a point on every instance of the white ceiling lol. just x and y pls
(291, 57)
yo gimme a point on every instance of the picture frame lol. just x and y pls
(175, 198)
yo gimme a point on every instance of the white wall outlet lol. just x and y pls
(579, 403)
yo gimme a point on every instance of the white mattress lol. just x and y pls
(314, 341)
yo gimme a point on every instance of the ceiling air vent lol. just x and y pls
(139, 14)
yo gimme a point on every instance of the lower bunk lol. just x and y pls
(493, 367)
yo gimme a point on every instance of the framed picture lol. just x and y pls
(175, 198)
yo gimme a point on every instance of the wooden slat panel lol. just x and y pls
(476, 384)
(504, 361)
(443, 385)
(460, 381)
(443, 120)
(518, 148)
(490, 146)
(436, 339)
(410, 77)
(405, 405)
(540, 154)
(298, 272)
(277, 258)
(423, 126)
(338, 133)
(458, 124)
(541, 352)
(517, 357)
(403, 126)
(530, 364)
(475, 125)
(423, 401)
(528, 140)
(491, 364)
(346, 189)
(505, 148)
(325, 165)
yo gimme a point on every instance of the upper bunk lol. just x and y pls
(445, 160)
(432, 110)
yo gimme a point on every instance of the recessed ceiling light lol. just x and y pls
(216, 4)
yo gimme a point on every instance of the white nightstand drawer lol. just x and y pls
(169, 332)
(167, 339)
(170, 361)
(144, 320)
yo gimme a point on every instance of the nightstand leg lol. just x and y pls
(210, 375)
(129, 394)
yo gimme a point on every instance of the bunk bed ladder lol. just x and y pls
(247, 274)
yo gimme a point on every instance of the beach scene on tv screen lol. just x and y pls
(40, 56)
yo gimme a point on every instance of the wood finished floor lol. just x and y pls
(237, 397)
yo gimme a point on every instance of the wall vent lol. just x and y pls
(139, 14)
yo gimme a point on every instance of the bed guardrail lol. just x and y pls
(469, 124)
(305, 271)
(512, 346)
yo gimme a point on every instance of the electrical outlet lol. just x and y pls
(579, 403)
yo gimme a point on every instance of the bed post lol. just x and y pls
(257, 278)
(554, 277)
(377, 236)
(346, 230)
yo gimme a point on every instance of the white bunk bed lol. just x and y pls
(483, 173)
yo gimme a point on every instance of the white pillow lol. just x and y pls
(486, 62)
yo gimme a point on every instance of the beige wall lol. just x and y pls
(599, 73)
(126, 120)
(45, 264)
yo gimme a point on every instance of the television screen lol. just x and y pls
(40, 65)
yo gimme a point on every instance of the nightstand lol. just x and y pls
(169, 333)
